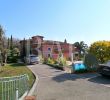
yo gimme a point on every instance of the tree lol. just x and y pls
(23, 43)
(11, 43)
(13, 49)
(81, 46)
(1, 44)
(8, 47)
(65, 41)
(101, 49)
(24, 47)
(11, 46)
(15, 43)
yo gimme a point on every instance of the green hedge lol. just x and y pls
(56, 66)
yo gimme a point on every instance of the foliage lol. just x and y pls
(81, 46)
(13, 51)
(62, 61)
(3, 46)
(11, 43)
(56, 66)
(90, 61)
(15, 69)
(13, 55)
(101, 49)
(81, 71)
(65, 41)
(24, 48)
(7, 46)
(50, 61)
(90, 70)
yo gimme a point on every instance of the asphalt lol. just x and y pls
(57, 85)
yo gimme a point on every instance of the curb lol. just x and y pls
(31, 91)
(25, 94)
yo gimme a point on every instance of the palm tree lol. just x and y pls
(81, 46)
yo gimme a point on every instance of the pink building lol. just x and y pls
(48, 48)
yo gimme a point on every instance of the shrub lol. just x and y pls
(45, 61)
(50, 61)
(81, 71)
(12, 59)
(55, 62)
(13, 55)
(91, 62)
(62, 61)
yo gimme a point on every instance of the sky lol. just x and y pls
(75, 20)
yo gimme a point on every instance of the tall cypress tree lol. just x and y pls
(24, 47)
(11, 43)
(8, 46)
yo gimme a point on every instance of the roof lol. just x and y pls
(38, 36)
(53, 42)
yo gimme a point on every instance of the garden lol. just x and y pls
(89, 61)
(58, 63)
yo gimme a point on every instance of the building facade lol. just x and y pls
(47, 48)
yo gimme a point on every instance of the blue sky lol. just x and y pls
(75, 20)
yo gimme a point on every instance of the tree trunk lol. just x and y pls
(5, 58)
(1, 59)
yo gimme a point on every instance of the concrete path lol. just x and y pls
(57, 85)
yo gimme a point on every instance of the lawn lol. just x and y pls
(15, 69)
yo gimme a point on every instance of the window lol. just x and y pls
(49, 55)
(49, 49)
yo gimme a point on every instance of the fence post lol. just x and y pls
(16, 93)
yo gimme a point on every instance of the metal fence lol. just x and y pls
(12, 88)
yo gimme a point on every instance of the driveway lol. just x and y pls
(57, 85)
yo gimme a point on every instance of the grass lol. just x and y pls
(15, 69)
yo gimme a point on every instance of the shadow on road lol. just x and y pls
(100, 80)
(94, 77)
(65, 76)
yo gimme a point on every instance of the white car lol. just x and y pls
(33, 59)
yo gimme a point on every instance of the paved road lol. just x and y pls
(57, 85)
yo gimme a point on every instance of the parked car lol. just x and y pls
(33, 59)
(104, 69)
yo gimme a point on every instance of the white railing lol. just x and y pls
(12, 88)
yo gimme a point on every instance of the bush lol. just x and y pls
(12, 59)
(50, 61)
(13, 55)
(81, 71)
(56, 66)
(91, 62)
(62, 61)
